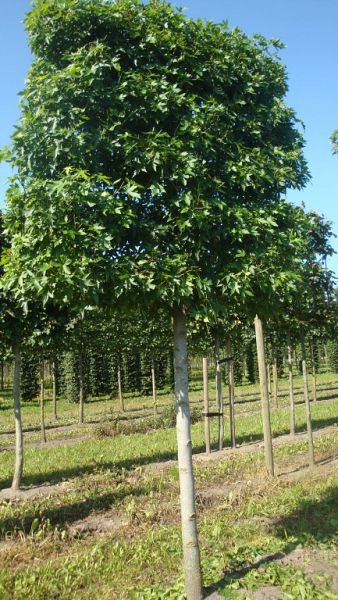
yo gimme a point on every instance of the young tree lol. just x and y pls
(151, 152)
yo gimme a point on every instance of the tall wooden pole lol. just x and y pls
(191, 555)
(19, 456)
(231, 388)
(291, 391)
(119, 386)
(219, 396)
(307, 405)
(153, 382)
(314, 373)
(206, 406)
(264, 396)
(42, 400)
(81, 388)
(53, 365)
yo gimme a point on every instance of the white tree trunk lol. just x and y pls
(264, 396)
(18, 423)
(191, 555)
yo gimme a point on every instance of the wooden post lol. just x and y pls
(2, 376)
(42, 400)
(153, 381)
(53, 372)
(307, 405)
(268, 370)
(275, 380)
(119, 386)
(291, 391)
(191, 555)
(264, 396)
(231, 388)
(19, 457)
(314, 373)
(81, 389)
(206, 406)
(219, 397)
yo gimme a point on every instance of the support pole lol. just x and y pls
(264, 396)
(206, 406)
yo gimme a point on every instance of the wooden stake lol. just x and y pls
(264, 396)
(231, 388)
(307, 405)
(219, 397)
(42, 400)
(206, 406)
(153, 381)
(291, 391)
(19, 456)
(119, 385)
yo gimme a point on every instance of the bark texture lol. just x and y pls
(191, 555)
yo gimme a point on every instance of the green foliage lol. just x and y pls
(332, 350)
(70, 376)
(29, 376)
(151, 155)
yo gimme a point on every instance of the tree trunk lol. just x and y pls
(153, 381)
(326, 358)
(2, 376)
(81, 389)
(275, 381)
(206, 406)
(307, 405)
(119, 386)
(53, 370)
(314, 373)
(231, 388)
(219, 397)
(42, 401)
(264, 396)
(291, 391)
(18, 423)
(191, 555)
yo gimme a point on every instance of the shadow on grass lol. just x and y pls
(66, 514)
(312, 523)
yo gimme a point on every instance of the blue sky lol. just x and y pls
(309, 28)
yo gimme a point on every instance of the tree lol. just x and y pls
(150, 153)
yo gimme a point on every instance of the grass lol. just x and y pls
(246, 520)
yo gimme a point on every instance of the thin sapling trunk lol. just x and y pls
(314, 373)
(191, 555)
(275, 381)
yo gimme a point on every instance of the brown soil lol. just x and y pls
(35, 492)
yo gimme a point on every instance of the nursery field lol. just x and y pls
(98, 516)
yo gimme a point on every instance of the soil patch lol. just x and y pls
(34, 492)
